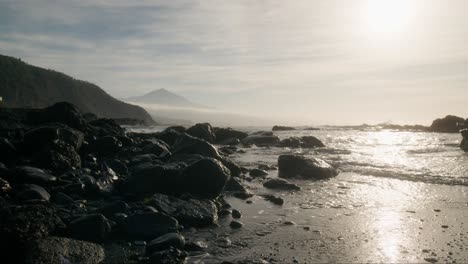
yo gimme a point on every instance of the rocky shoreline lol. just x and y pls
(79, 189)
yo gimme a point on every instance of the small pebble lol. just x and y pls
(236, 214)
(236, 224)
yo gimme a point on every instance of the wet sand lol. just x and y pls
(350, 218)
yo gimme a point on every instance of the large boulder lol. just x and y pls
(311, 142)
(297, 166)
(464, 143)
(27, 174)
(261, 138)
(151, 179)
(57, 157)
(203, 131)
(43, 136)
(149, 225)
(33, 192)
(225, 134)
(59, 250)
(94, 228)
(190, 213)
(205, 178)
(188, 145)
(105, 127)
(448, 124)
(282, 128)
(156, 147)
(62, 112)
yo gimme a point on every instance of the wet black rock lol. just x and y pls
(296, 166)
(118, 166)
(261, 138)
(303, 142)
(267, 167)
(195, 245)
(62, 112)
(63, 250)
(233, 167)
(58, 157)
(112, 208)
(282, 128)
(33, 192)
(236, 214)
(464, 143)
(274, 199)
(150, 179)
(170, 256)
(8, 151)
(149, 225)
(205, 178)
(5, 187)
(106, 145)
(203, 131)
(190, 213)
(229, 142)
(188, 145)
(60, 198)
(156, 147)
(105, 127)
(228, 135)
(93, 228)
(311, 142)
(281, 184)
(166, 241)
(448, 124)
(235, 188)
(27, 174)
(258, 173)
(50, 134)
(236, 224)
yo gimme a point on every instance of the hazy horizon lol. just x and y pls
(302, 62)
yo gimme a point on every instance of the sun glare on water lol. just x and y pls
(389, 16)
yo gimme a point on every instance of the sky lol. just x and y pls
(301, 61)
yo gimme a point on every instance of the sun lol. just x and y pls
(389, 16)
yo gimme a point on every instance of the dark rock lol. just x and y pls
(152, 179)
(107, 145)
(205, 178)
(94, 227)
(233, 167)
(179, 129)
(62, 250)
(5, 187)
(33, 192)
(267, 167)
(105, 127)
(169, 136)
(156, 147)
(448, 124)
(236, 214)
(170, 256)
(225, 134)
(261, 139)
(190, 213)
(311, 142)
(203, 131)
(187, 145)
(292, 166)
(464, 143)
(282, 128)
(62, 112)
(19, 225)
(281, 184)
(60, 198)
(229, 142)
(143, 158)
(50, 134)
(224, 212)
(165, 241)
(26, 174)
(274, 199)
(149, 225)
(238, 190)
(113, 208)
(258, 173)
(195, 246)
(58, 157)
(117, 166)
(292, 142)
(236, 224)
(8, 151)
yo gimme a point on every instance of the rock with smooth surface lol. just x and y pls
(164, 242)
(95, 228)
(280, 184)
(297, 166)
(149, 225)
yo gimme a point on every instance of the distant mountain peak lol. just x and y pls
(164, 97)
